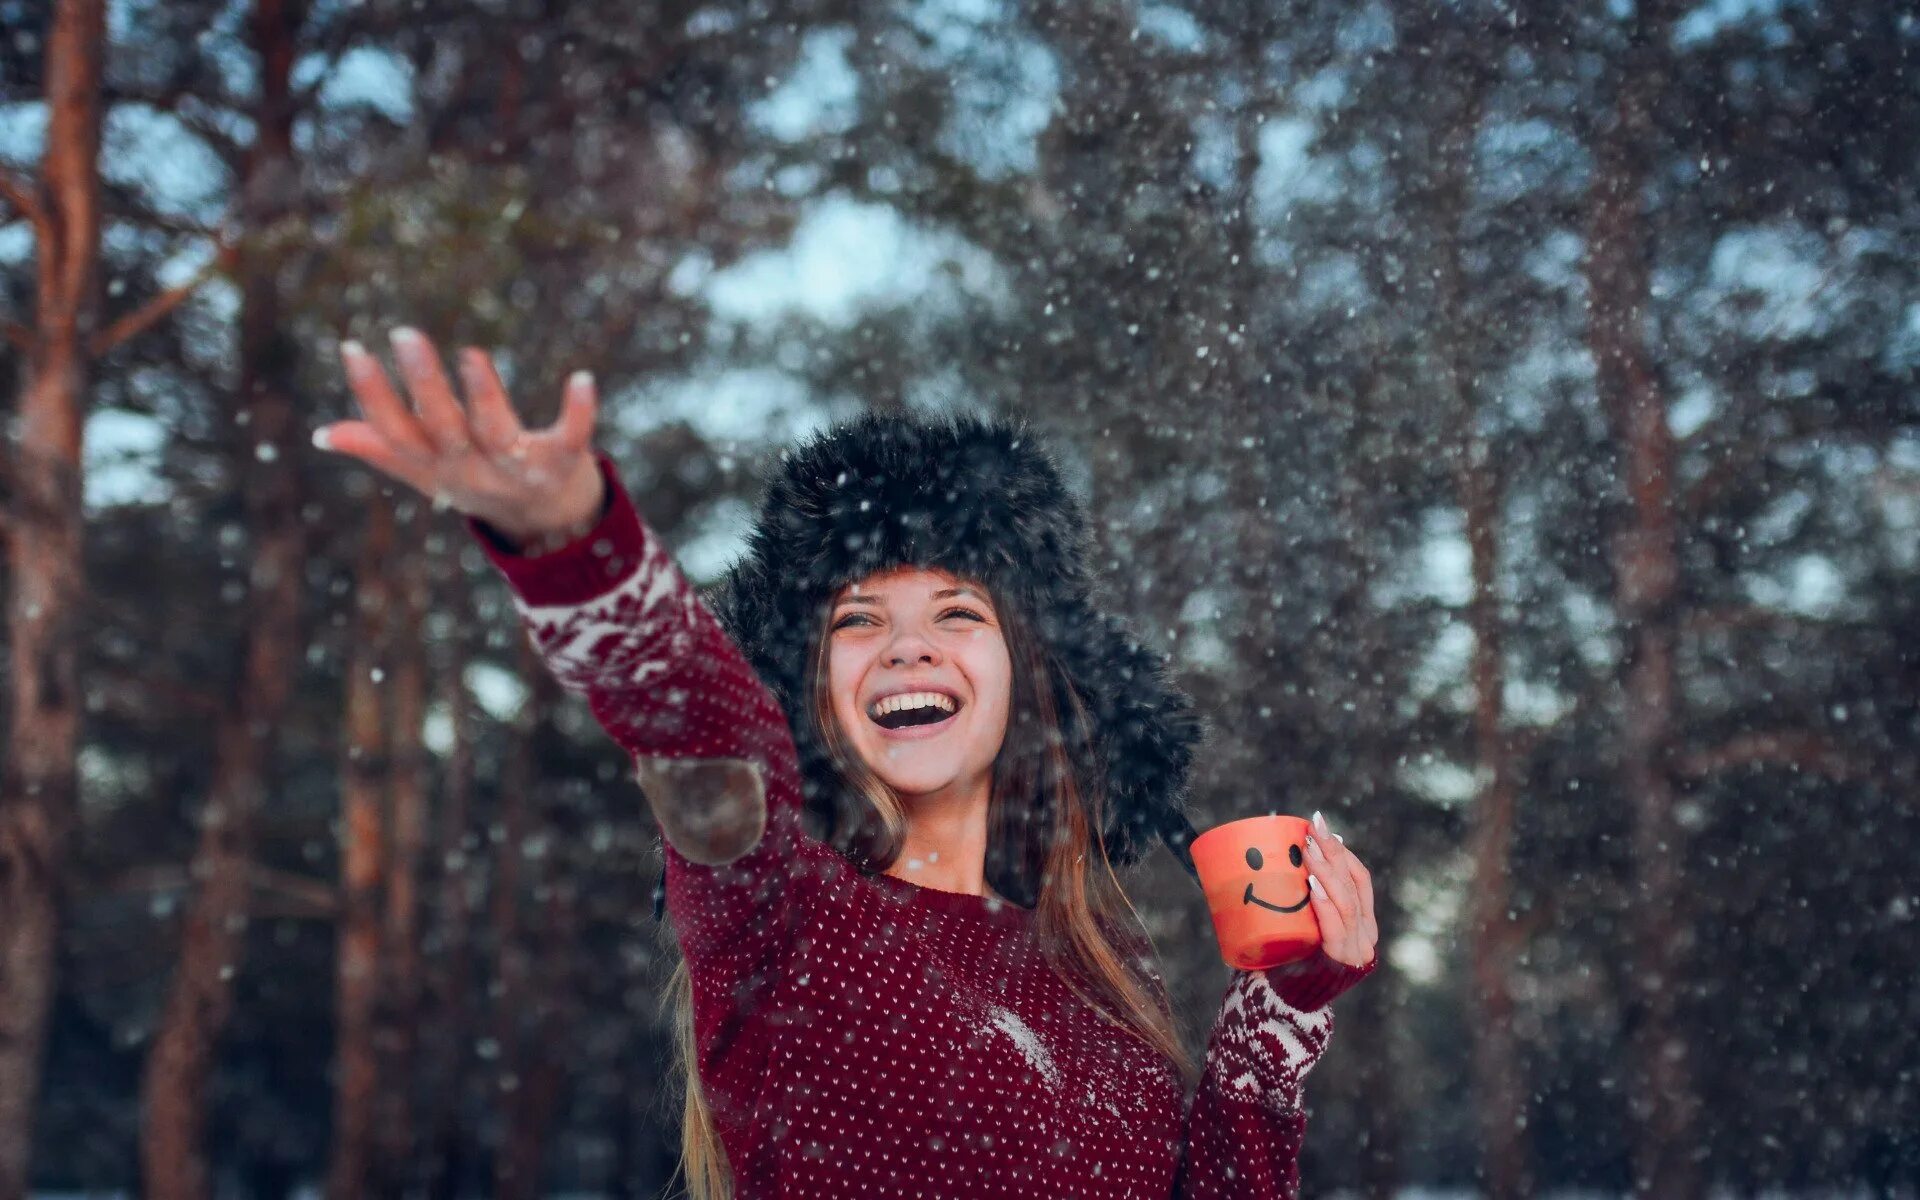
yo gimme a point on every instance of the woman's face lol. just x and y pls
(915, 631)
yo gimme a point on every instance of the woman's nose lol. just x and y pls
(899, 651)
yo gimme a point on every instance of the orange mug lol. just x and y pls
(1254, 874)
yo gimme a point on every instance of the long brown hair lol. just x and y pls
(1048, 800)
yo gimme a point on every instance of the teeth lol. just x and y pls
(913, 700)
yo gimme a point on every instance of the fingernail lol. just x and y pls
(404, 338)
(579, 381)
(1314, 883)
(1320, 823)
(323, 438)
(1313, 846)
(1340, 839)
(353, 349)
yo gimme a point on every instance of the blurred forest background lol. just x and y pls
(1505, 416)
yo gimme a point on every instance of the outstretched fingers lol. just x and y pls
(440, 412)
(384, 409)
(496, 427)
(578, 409)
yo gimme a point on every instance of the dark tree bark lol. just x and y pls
(213, 940)
(450, 1032)
(45, 565)
(400, 993)
(511, 1175)
(1618, 267)
(364, 777)
(1500, 1092)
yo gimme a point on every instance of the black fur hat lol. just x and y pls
(982, 499)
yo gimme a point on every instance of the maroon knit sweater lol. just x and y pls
(863, 1036)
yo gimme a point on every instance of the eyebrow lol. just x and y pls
(958, 591)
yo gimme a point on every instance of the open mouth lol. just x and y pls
(1250, 898)
(917, 720)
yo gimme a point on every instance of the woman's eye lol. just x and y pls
(861, 617)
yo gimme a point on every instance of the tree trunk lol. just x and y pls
(400, 943)
(363, 777)
(1499, 1090)
(511, 1176)
(544, 1059)
(1661, 1101)
(451, 952)
(45, 569)
(213, 940)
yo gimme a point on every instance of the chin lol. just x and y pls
(915, 779)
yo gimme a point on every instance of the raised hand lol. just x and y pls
(1342, 891)
(533, 487)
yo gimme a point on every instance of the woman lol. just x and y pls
(895, 765)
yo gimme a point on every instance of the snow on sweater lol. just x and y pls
(863, 1036)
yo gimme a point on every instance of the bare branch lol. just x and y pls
(144, 317)
(1804, 751)
(19, 193)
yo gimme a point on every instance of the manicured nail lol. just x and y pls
(323, 438)
(1320, 823)
(1314, 883)
(353, 349)
(579, 382)
(405, 339)
(1314, 846)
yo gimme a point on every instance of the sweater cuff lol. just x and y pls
(1315, 981)
(583, 569)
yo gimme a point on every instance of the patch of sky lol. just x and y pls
(847, 257)
(1215, 154)
(121, 453)
(363, 78)
(1709, 20)
(1200, 643)
(941, 389)
(1691, 409)
(1515, 157)
(1591, 623)
(1325, 89)
(1443, 567)
(1003, 87)
(497, 691)
(1333, 281)
(154, 154)
(1170, 26)
(1810, 585)
(719, 538)
(1367, 28)
(1287, 172)
(1443, 782)
(23, 132)
(1554, 259)
(1902, 352)
(1765, 281)
(820, 95)
(1432, 899)
(1444, 665)
(743, 405)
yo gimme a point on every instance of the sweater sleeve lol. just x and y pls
(615, 621)
(1246, 1124)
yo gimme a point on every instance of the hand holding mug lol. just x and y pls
(1342, 891)
(1280, 888)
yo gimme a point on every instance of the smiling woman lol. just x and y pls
(923, 976)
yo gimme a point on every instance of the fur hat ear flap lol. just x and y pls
(979, 498)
